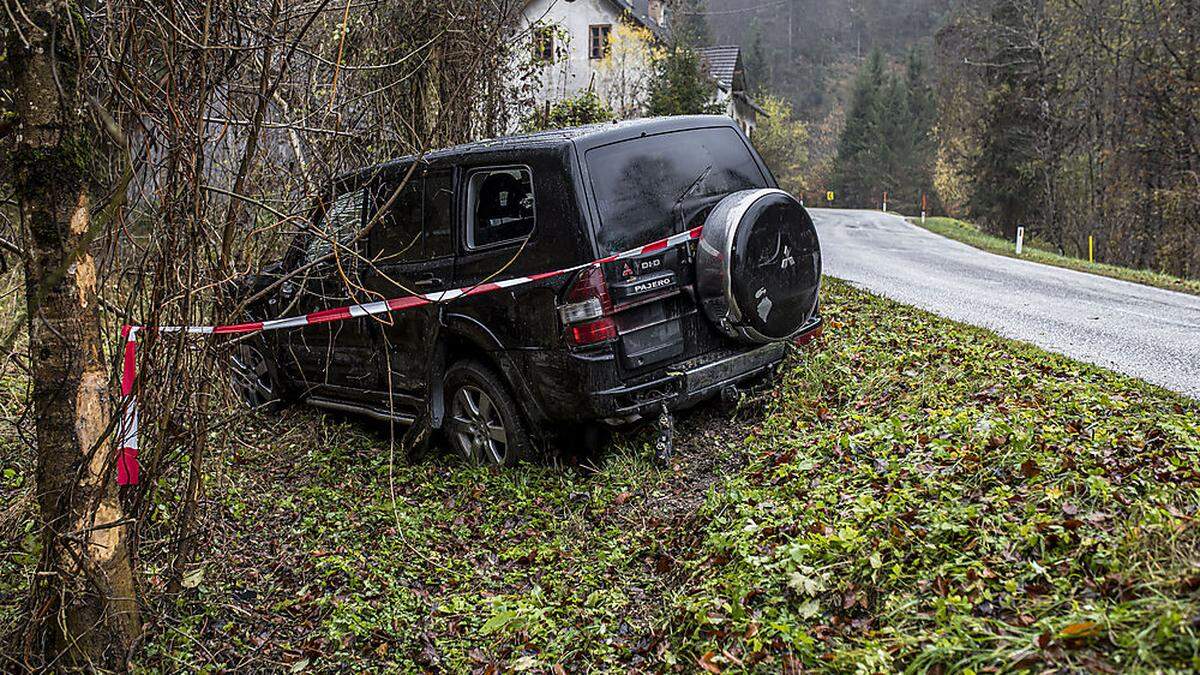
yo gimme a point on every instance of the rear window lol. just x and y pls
(499, 206)
(638, 182)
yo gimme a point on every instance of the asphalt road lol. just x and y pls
(1142, 331)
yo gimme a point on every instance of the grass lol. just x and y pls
(915, 494)
(971, 235)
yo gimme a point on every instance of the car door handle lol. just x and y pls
(427, 280)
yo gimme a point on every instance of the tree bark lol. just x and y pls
(84, 613)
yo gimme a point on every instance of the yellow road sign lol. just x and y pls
(829, 195)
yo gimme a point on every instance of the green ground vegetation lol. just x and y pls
(972, 235)
(914, 494)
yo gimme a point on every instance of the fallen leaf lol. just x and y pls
(706, 663)
(1081, 630)
(1029, 468)
(193, 578)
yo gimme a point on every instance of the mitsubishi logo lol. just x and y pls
(788, 260)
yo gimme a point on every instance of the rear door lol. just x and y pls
(498, 217)
(647, 188)
(410, 252)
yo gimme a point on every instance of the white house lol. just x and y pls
(608, 46)
(603, 45)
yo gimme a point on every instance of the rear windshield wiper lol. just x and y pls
(696, 183)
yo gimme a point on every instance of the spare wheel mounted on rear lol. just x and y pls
(758, 266)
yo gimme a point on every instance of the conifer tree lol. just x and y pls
(887, 144)
(923, 117)
(757, 65)
(859, 148)
(689, 24)
(681, 87)
(896, 147)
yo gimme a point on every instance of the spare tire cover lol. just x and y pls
(758, 266)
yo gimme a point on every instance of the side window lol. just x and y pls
(397, 235)
(499, 206)
(439, 213)
(340, 222)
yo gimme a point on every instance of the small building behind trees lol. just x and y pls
(724, 65)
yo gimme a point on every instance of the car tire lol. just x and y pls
(483, 424)
(253, 378)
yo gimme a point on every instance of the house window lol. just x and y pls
(499, 206)
(598, 40)
(543, 43)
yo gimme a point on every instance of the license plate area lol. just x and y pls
(649, 334)
(724, 369)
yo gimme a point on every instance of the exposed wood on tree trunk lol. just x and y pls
(84, 610)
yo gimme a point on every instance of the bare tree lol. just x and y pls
(160, 151)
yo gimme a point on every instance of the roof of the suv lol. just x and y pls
(585, 137)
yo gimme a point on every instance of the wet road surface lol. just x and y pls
(1138, 330)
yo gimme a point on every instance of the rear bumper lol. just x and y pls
(688, 383)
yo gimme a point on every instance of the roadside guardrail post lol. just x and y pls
(1020, 239)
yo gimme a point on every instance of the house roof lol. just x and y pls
(639, 10)
(724, 64)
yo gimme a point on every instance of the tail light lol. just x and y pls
(587, 310)
(808, 337)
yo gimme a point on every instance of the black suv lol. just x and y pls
(605, 344)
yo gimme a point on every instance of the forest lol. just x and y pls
(1069, 118)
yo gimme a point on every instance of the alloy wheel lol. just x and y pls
(477, 426)
(251, 376)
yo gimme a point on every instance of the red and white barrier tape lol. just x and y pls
(127, 461)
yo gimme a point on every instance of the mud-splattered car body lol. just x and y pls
(607, 344)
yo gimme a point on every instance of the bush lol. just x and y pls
(783, 143)
(586, 108)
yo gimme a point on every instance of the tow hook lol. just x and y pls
(665, 446)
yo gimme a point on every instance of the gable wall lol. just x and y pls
(574, 74)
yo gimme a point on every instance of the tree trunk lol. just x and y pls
(84, 613)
